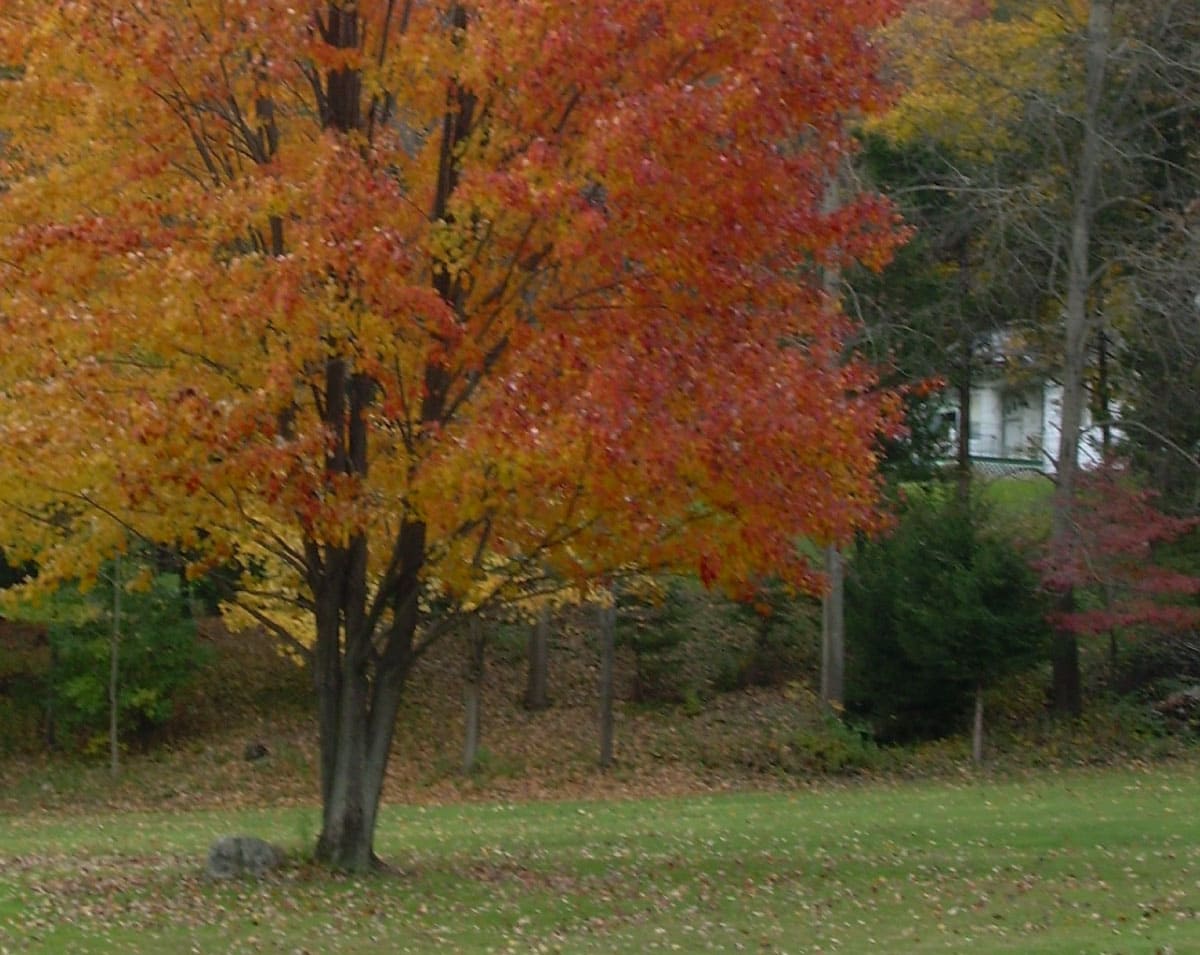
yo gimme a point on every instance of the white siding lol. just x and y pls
(1023, 424)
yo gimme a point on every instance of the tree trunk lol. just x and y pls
(472, 693)
(833, 634)
(965, 375)
(360, 662)
(536, 692)
(833, 637)
(346, 839)
(361, 743)
(608, 643)
(1066, 692)
(1103, 394)
(962, 454)
(51, 713)
(359, 684)
(114, 676)
(977, 728)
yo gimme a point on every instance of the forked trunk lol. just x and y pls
(358, 681)
(358, 754)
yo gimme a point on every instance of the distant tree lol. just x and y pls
(607, 621)
(473, 673)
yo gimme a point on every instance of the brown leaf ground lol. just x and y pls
(248, 694)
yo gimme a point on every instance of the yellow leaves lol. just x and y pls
(448, 248)
(968, 73)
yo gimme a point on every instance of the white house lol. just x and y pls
(1016, 427)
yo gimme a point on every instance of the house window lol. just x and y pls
(1018, 424)
(1014, 402)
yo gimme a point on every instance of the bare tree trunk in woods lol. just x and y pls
(114, 676)
(51, 724)
(1103, 393)
(608, 649)
(965, 375)
(1066, 689)
(833, 634)
(833, 630)
(536, 696)
(473, 692)
(977, 729)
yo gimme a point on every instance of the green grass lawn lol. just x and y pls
(1021, 503)
(1104, 861)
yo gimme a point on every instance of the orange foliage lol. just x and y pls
(568, 254)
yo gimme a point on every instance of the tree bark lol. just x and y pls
(977, 728)
(360, 672)
(473, 693)
(356, 731)
(1066, 689)
(1103, 393)
(358, 687)
(608, 642)
(537, 678)
(833, 634)
(114, 676)
(962, 468)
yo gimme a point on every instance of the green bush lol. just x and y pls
(158, 654)
(942, 606)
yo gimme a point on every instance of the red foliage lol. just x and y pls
(1111, 551)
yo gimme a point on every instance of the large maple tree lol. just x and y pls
(410, 307)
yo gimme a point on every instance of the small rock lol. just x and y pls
(255, 751)
(234, 856)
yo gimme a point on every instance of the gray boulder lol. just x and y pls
(234, 856)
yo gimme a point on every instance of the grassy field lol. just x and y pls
(1103, 861)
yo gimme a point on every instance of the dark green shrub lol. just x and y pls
(1154, 665)
(11, 575)
(940, 607)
